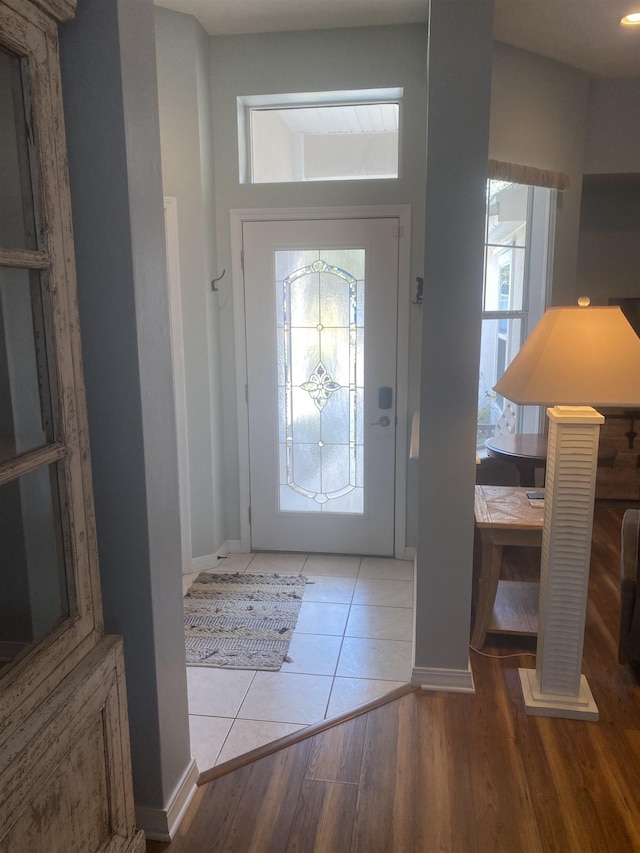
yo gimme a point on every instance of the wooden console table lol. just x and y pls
(504, 516)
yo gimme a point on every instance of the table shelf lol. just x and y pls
(515, 609)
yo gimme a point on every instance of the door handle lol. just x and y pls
(383, 421)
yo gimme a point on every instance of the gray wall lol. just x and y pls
(109, 84)
(613, 126)
(459, 75)
(609, 244)
(182, 48)
(609, 247)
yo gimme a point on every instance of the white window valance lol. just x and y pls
(499, 170)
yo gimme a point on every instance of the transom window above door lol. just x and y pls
(319, 136)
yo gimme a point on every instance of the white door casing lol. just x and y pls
(378, 527)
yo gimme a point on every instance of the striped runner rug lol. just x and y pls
(241, 621)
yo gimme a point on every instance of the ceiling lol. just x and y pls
(583, 33)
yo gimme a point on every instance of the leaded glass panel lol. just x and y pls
(320, 369)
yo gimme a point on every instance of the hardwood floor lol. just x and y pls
(450, 772)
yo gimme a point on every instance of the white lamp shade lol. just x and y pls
(577, 356)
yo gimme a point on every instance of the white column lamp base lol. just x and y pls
(537, 704)
(557, 688)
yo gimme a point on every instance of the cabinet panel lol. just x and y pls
(66, 772)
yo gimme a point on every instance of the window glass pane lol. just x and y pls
(17, 219)
(504, 279)
(34, 593)
(324, 143)
(501, 340)
(26, 399)
(507, 213)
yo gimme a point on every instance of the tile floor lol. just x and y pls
(352, 643)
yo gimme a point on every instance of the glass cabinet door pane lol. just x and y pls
(26, 399)
(34, 593)
(17, 164)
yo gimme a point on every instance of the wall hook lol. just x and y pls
(214, 286)
(419, 291)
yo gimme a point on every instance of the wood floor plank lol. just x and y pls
(547, 806)
(498, 772)
(444, 820)
(386, 799)
(263, 820)
(336, 755)
(323, 818)
(205, 826)
(613, 791)
(575, 798)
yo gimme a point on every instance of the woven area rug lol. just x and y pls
(241, 621)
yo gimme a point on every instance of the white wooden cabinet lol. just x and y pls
(65, 774)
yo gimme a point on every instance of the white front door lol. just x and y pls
(321, 325)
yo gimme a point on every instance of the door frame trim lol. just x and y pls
(401, 212)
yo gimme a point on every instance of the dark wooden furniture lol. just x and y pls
(528, 451)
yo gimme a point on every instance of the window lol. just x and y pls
(518, 226)
(319, 136)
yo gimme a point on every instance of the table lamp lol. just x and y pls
(574, 359)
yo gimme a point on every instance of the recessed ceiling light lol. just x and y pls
(631, 20)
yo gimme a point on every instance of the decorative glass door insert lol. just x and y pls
(320, 365)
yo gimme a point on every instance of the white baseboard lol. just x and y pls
(212, 561)
(448, 680)
(206, 563)
(162, 824)
(409, 554)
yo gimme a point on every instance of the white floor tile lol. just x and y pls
(330, 590)
(385, 568)
(286, 698)
(319, 618)
(217, 692)
(313, 654)
(390, 660)
(207, 735)
(346, 567)
(382, 623)
(272, 563)
(349, 693)
(384, 593)
(246, 735)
